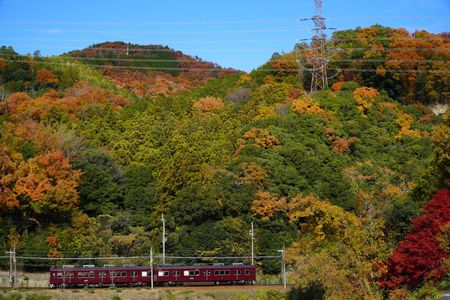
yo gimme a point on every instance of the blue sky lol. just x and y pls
(240, 34)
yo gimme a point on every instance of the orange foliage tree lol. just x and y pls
(340, 145)
(46, 77)
(266, 206)
(9, 162)
(252, 173)
(47, 183)
(208, 104)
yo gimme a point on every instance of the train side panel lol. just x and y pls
(213, 274)
(71, 277)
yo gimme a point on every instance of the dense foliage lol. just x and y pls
(89, 160)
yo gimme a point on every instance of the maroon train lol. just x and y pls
(89, 275)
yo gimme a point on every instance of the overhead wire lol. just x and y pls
(216, 69)
(205, 22)
(219, 22)
(64, 57)
(151, 32)
(246, 41)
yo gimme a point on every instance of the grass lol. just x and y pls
(172, 293)
(211, 295)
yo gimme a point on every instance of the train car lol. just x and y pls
(70, 276)
(217, 274)
(89, 275)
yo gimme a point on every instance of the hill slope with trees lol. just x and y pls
(91, 157)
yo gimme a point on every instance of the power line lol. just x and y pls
(217, 69)
(246, 41)
(206, 22)
(389, 17)
(151, 32)
(412, 38)
(219, 22)
(240, 60)
(385, 49)
(151, 50)
(41, 258)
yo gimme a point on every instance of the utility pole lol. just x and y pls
(164, 239)
(252, 237)
(151, 266)
(283, 265)
(12, 267)
(15, 265)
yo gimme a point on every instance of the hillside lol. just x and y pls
(88, 165)
(148, 70)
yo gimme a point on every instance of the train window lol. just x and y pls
(163, 273)
(102, 275)
(133, 274)
(237, 272)
(144, 274)
(80, 274)
(186, 273)
(222, 272)
(197, 273)
(123, 274)
(69, 275)
(59, 275)
(207, 273)
(91, 274)
(247, 272)
(176, 273)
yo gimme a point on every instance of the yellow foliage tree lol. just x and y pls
(365, 97)
(336, 250)
(262, 138)
(307, 105)
(404, 121)
(265, 112)
(243, 79)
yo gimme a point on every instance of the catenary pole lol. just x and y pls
(151, 266)
(163, 240)
(252, 237)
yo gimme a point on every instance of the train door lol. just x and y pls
(237, 274)
(207, 275)
(133, 277)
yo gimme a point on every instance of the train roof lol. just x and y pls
(203, 266)
(91, 268)
(78, 268)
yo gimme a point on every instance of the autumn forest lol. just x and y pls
(97, 143)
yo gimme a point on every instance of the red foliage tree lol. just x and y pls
(421, 256)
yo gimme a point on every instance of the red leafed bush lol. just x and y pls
(420, 257)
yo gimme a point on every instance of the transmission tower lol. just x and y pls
(317, 57)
